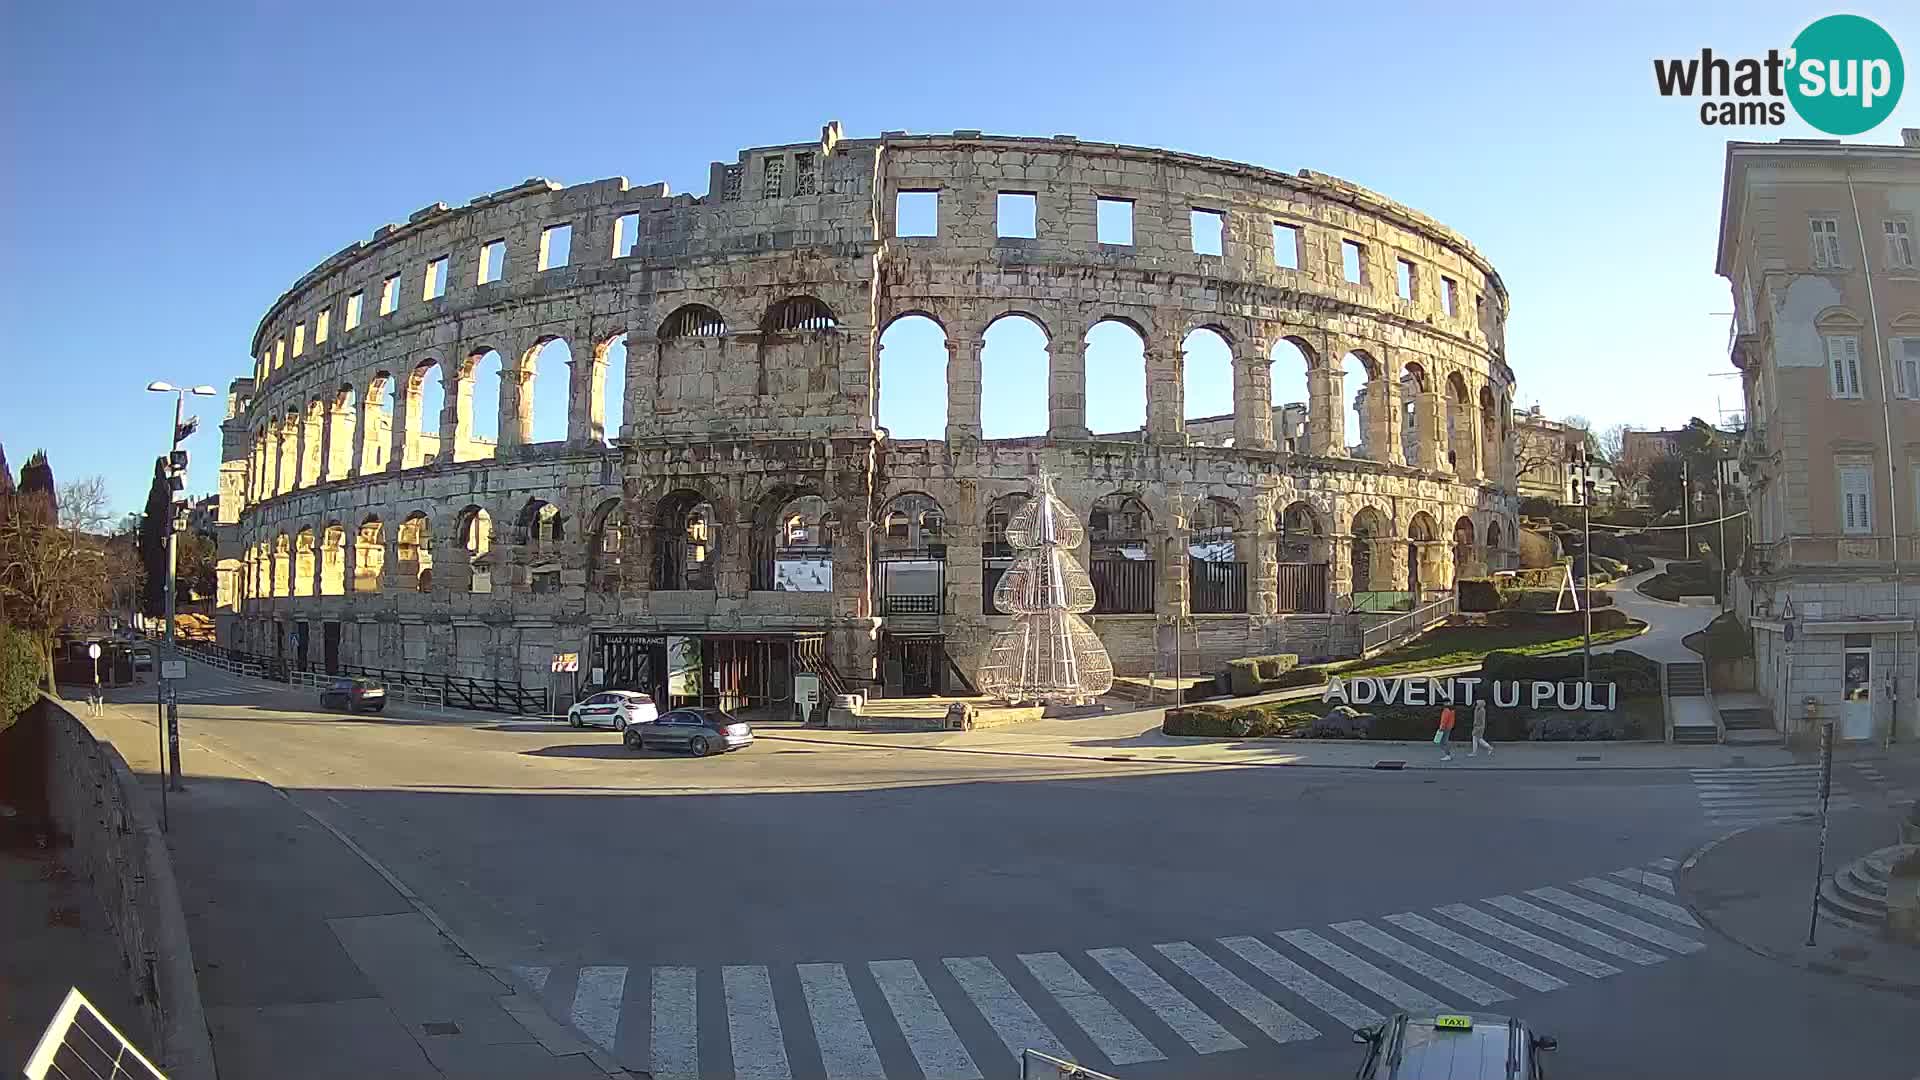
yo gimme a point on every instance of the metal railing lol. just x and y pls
(1396, 627)
(417, 687)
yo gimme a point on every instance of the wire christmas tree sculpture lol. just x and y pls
(1048, 654)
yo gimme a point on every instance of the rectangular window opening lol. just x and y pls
(390, 294)
(1352, 262)
(1286, 246)
(1856, 499)
(773, 172)
(1209, 228)
(1404, 278)
(493, 261)
(279, 353)
(1906, 367)
(916, 213)
(354, 304)
(299, 338)
(1113, 221)
(1450, 295)
(321, 324)
(435, 285)
(556, 246)
(803, 175)
(626, 234)
(1843, 365)
(1016, 212)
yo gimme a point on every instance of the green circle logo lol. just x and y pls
(1847, 74)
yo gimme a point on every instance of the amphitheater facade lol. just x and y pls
(751, 515)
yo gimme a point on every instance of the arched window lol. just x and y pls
(540, 531)
(545, 394)
(1303, 558)
(333, 560)
(303, 563)
(1413, 383)
(1013, 379)
(481, 385)
(1292, 395)
(1121, 563)
(912, 388)
(606, 547)
(1369, 562)
(282, 565)
(369, 556)
(996, 555)
(684, 537)
(1360, 383)
(1422, 564)
(1216, 578)
(1116, 385)
(376, 436)
(343, 418)
(798, 313)
(1489, 434)
(1460, 446)
(793, 543)
(693, 321)
(909, 554)
(413, 551)
(426, 398)
(1466, 560)
(1207, 386)
(610, 389)
(476, 537)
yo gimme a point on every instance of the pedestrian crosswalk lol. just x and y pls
(970, 1017)
(1758, 796)
(209, 693)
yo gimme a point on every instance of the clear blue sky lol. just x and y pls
(170, 169)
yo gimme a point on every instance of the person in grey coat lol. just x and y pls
(1480, 729)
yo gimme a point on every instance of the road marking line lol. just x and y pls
(1662, 908)
(1260, 1010)
(596, 1003)
(1493, 959)
(1174, 1009)
(675, 1046)
(929, 1034)
(846, 1047)
(1647, 878)
(1627, 924)
(1759, 770)
(533, 975)
(1323, 995)
(1474, 989)
(1119, 1040)
(759, 1047)
(1584, 934)
(1402, 995)
(1664, 864)
(1528, 940)
(1018, 1026)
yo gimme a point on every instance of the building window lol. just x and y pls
(773, 174)
(279, 353)
(1899, 245)
(299, 338)
(354, 304)
(730, 183)
(1826, 243)
(626, 234)
(1856, 499)
(803, 175)
(1016, 213)
(916, 213)
(321, 324)
(390, 294)
(1286, 246)
(1843, 365)
(493, 260)
(556, 246)
(1113, 221)
(1906, 366)
(1209, 229)
(435, 285)
(1353, 263)
(1404, 278)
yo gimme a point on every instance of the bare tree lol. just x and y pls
(55, 569)
(1613, 444)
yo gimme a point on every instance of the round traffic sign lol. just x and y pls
(93, 650)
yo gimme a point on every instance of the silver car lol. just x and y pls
(697, 731)
(616, 709)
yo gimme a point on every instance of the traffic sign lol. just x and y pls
(173, 669)
(93, 650)
(566, 662)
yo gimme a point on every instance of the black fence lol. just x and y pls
(1122, 586)
(1303, 588)
(489, 695)
(1216, 588)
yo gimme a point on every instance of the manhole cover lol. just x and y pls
(440, 1027)
(1851, 954)
(1389, 764)
(1586, 757)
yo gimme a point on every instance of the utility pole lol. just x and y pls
(176, 472)
(1686, 508)
(1720, 485)
(1586, 579)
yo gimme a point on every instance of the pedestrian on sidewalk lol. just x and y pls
(1445, 732)
(1480, 729)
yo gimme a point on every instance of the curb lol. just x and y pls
(1904, 987)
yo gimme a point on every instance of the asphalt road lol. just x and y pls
(822, 911)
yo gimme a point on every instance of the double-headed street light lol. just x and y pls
(176, 472)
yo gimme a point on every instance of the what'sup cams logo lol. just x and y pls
(1842, 75)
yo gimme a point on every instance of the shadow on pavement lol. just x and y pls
(590, 750)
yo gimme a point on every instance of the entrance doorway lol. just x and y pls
(916, 666)
(1856, 710)
(330, 646)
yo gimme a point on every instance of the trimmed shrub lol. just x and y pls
(1210, 720)
(20, 661)
(1535, 506)
(1479, 594)
(1311, 675)
(1342, 722)
(1255, 674)
(1580, 727)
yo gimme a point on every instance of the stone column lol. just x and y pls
(1257, 546)
(516, 406)
(963, 389)
(1429, 444)
(1252, 400)
(1339, 568)
(1067, 388)
(589, 407)
(455, 422)
(400, 426)
(325, 457)
(1172, 599)
(1166, 405)
(1467, 443)
(1326, 412)
(1383, 421)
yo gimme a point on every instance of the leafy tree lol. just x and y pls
(194, 574)
(19, 673)
(1664, 483)
(153, 543)
(54, 568)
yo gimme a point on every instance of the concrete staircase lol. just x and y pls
(1689, 705)
(1743, 724)
(1857, 894)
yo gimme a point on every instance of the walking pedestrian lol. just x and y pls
(1445, 732)
(1480, 729)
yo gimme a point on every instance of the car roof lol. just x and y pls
(1494, 1047)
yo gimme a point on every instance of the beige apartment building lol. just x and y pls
(1542, 451)
(1818, 240)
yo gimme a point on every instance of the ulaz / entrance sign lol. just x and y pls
(1507, 694)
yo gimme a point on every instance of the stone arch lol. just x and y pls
(343, 415)
(1366, 413)
(911, 390)
(912, 523)
(1416, 423)
(1370, 564)
(1303, 555)
(792, 541)
(607, 390)
(1216, 576)
(376, 437)
(689, 359)
(333, 559)
(798, 345)
(477, 419)
(1424, 561)
(1298, 393)
(1467, 558)
(1459, 429)
(425, 387)
(313, 426)
(693, 321)
(798, 314)
(473, 529)
(1490, 434)
(1123, 556)
(304, 566)
(910, 556)
(686, 532)
(606, 546)
(1206, 383)
(413, 553)
(1494, 536)
(1116, 377)
(369, 555)
(1014, 376)
(537, 399)
(996, 554)
(282, 564)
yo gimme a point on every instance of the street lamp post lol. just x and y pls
(174, 435)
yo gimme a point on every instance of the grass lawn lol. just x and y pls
(1448, 646)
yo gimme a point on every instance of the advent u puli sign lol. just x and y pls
(1504, 694)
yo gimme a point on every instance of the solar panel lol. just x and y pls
(81, 1045)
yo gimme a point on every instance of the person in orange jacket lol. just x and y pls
(1445, 732)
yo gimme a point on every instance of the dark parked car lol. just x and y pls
(697, 731)
(1452, 1046)
(354, 695)
(142, 658)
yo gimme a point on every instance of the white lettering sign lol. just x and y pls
(1421, 691)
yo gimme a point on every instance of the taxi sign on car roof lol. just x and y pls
(1453, 1022)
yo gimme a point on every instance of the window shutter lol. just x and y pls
(1818, 242)
(1836, 366)
(1852, 347)
(1856, 494)
(1910, 366)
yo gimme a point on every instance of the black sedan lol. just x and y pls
(697, 731)
(354, 695)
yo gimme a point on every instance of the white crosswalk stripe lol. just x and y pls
(1762, 795)
(1172, 1007)
(1493, 959)
(1113, 996)
(1663, 908)
(1664, 864)
(1119, 1040)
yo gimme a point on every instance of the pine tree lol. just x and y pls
(1048, 654)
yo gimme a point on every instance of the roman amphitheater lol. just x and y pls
(816, 368)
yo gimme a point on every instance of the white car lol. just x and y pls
(617, 709)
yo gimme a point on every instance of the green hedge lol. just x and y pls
(20, 660)
(1479, 594)
(1635, 674)
(1255, 674)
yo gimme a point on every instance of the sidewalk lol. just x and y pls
(311, 963)
(1756, 886)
